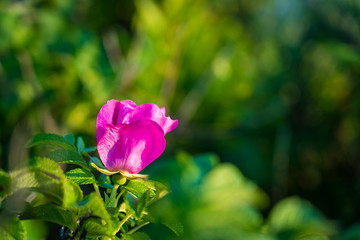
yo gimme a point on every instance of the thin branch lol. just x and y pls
(137, 228)
(122, 222)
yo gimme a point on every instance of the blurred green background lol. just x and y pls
(271, 87)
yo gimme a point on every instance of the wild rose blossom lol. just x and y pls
(130, 137)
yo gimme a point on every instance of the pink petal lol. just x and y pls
(113, 112)
(163, 110)
(131, 147)
(153, 112)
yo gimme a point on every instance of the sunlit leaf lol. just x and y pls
(39, 182)
(127, 237)
(91, 204)
(47, 166)
(139, 186)
(35, 229)
(142, 203)
(81, 176)
(160, 189)
(11, 229)
(96, 227)
(71, 193)
(55, 187)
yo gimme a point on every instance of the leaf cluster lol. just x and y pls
(54, 188)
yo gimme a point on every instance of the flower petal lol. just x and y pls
(163, 110)
(131, 147)
(113, 112)
(153, 112)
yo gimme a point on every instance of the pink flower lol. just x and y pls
(130, 137)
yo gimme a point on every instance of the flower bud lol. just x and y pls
(118, 179)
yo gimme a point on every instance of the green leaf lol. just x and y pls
(97, 161)
(68, 156)
(37, 181)
(35, 229)
(138, 187)
(299, 216)
(90, 149)
(25, 178)
(81, 176)
(71, 193)
(107, 198)
(95, 228)
(138, 236)
(51, 213)
(227, 181)
(38, 199)
(99, 221)
(92, 203)
(52, 140)
(14, 203)
(127, 237)
(131, 203)
(70, 137)
(148, 218)
(56, 188)
(5, 181)
(173, 225)
(104, 181)
(58, 185)
(113, 200)
(80, 144)
(142, 203)
(160, 189)
(46, 165)
(11, 229)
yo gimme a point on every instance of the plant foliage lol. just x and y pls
(45, 191)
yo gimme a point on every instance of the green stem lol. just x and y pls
(96, 187)
(123, 221)
(137, 228)
(122, 192)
